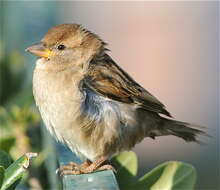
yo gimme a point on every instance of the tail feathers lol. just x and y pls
(186, 131)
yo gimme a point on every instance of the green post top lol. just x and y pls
(102, 180)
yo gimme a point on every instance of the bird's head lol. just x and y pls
(67, 44)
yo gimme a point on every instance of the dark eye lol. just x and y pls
(61, 47)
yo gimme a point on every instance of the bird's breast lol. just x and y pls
(58, 98)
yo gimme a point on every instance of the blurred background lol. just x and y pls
(170, 48)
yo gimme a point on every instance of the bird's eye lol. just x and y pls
(61, 47)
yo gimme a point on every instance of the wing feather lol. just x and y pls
(107, 79)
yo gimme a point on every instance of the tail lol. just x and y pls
(186, 131)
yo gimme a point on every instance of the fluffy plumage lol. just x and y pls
(89, 103)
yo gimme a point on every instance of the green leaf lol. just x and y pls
(126, 164)
(12, 72)
(15, 171)
(7, 143)
(5, 159)
(185, 177)
(168, 176)
(2, 171)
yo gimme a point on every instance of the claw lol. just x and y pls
(87, 167)
(70, 169)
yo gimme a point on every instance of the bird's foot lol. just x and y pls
(72, 168)
(87, 167)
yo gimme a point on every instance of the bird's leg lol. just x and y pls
(85, 164)
(68, 169)
(87, 167)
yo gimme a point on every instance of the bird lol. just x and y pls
(90, 104)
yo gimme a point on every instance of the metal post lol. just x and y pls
(102, 180)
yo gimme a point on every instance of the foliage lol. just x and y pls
(170, 175)
(11, 174)
(12, 80)
(14, 126)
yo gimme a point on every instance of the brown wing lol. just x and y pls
(106, 78)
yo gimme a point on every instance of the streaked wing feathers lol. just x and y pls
(106, 78)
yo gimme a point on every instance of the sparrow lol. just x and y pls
(89, 103)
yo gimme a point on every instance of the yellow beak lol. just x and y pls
(39, 50)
